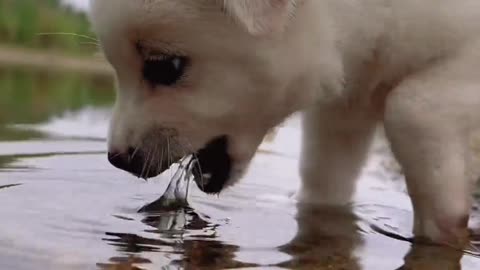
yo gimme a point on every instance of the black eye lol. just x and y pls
(164, 70)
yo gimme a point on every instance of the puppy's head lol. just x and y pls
(203, 77)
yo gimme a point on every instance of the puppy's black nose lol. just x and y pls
(134, 162)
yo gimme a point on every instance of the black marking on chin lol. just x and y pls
(214, 162)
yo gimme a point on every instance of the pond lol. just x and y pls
(62, 206)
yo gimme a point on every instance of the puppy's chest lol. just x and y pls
(368, 82)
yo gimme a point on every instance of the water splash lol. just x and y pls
(175, 196)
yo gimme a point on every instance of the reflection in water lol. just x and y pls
(424, 257)
(327, 238)
(9, 186)
(5, 160)
(182, 232)
(32, 96)
(173, 223)
(330, 238)
(13, 134)
(124, 263)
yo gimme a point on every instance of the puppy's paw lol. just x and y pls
(449, 231)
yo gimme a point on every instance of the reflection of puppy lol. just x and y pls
(327, 238)
(212, 77)
(432, 258)
(183, 232)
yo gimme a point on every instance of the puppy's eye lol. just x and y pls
(164, 70)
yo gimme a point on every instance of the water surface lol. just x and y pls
(62, 206)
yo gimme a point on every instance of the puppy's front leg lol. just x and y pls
(429, 119)
(336, 139)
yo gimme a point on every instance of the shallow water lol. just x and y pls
(62, 206)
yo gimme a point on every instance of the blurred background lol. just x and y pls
(49, 65)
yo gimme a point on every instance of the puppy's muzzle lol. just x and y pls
(136, 163)
(211, 172)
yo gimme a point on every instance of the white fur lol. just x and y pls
(347, 64)
(260, 17)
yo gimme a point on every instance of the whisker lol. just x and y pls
(186, 149)
(157, 154)
(188, 177)
(182, 148)
(70, 34)
(189, 148)
(185, 153)
(143, 168)
(159, 161)
(161, 158)
(135, 152)
(179, 169)
(150, 163)
(116, 155)
(187, 145)
(90, 43)
(147, 158)
(189, 153)
(169, 160)
(196, 163)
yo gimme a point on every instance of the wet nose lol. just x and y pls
(134, 162)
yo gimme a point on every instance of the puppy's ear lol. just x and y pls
(261, 17)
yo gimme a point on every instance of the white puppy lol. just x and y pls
(211, 77)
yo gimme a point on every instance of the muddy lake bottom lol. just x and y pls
(62, 206)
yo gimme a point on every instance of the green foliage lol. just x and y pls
(26, 22)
